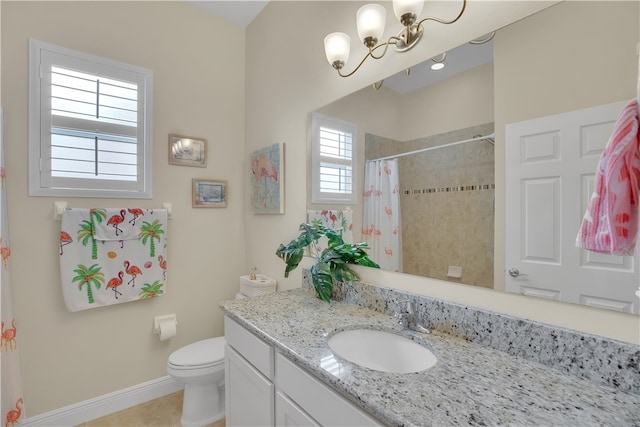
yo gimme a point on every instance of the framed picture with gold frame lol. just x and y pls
(209, 193)
(187, 151)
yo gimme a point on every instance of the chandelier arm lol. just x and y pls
(442, 21)
(371, 54)
(357, 67)
(386, 44)
(485, 40)
(442, 56)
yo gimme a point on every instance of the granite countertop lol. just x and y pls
(469, 385)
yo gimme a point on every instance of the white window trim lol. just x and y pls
(36, 130)
(317, 121)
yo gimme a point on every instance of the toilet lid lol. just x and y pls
(199, 353)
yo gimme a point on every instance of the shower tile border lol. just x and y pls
(451, 189)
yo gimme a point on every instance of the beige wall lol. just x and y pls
(564, 67)
(462, 101)
(284, 84)
(199, 88)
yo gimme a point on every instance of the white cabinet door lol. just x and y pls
(550, 169)
(288, 414)
(249, 394)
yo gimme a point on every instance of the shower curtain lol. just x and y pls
(10, 364)
(381, 217)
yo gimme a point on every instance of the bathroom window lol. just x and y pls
(89, 125)
(333, 160)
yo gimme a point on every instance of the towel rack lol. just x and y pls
(60, 206)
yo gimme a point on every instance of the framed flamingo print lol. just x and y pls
(209, 193)
(267, 179)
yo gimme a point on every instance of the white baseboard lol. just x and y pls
(100, 406)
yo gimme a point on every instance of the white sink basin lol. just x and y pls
(382, 351)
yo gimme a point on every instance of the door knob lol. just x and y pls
(514, 272)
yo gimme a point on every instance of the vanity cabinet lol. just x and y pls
(263, 387)
(322, 404)
(248, 377)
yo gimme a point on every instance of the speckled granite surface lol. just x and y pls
(470, 385)
(596, 358)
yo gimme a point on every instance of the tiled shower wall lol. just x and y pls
(447, 204)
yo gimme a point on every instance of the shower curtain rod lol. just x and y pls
(451, 144)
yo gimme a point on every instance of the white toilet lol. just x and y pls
(200, 366)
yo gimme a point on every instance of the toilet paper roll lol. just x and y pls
(167, 329)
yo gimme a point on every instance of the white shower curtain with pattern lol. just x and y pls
(10, 373)
(381, 217)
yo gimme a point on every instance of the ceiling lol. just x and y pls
(458, 60)
(241, 12)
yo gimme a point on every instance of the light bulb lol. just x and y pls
(402, 7)
(371, 19)
(336, 48)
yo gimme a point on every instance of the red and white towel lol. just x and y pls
(610, 224)
(111, 256)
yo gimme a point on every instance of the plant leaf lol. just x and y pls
(333, 261)
(291, 254)
(322, 280)
(342, 272)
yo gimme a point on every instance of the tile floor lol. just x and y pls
(162, 412)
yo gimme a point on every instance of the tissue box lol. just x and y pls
(261, 285)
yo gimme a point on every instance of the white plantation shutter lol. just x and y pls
(90, 121)
(333, 161)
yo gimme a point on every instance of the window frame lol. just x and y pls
(41, 182)
(317, 196)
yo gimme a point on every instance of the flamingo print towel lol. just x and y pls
(610, 224)
(337, 220)
(110, 256)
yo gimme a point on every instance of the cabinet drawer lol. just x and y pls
(318, 400)
(252, 348)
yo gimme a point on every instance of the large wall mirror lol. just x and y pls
(569, 57)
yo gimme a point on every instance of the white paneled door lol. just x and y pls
(550, 173)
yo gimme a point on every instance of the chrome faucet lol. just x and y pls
(408, 319)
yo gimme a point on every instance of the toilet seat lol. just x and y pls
(199, 355)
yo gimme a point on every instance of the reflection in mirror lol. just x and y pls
(446, 203)
(543, 65)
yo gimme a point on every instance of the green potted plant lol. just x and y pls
(332, 264)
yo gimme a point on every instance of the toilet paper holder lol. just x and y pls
(161, 319)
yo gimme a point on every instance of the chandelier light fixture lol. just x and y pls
(370, 20)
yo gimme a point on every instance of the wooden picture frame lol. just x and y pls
(209, 193)
(187, 151)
